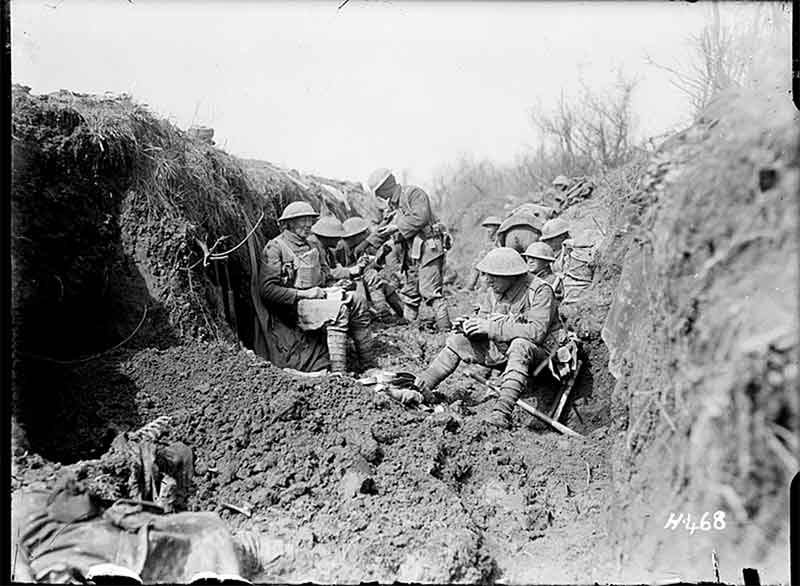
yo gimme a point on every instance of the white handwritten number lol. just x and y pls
(692, 525)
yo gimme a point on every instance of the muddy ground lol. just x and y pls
(349, 485)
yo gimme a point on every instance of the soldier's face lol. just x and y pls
(491, 232)
(535, 265)
(301, 226)
(499, 284)
(328, 242)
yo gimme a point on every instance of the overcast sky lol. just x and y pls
(408, 85)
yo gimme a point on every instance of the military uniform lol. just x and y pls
(380, 291)
(337, 261)
(523, 330)
(573, 271)
(421, 252)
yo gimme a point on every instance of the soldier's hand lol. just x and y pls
(476, 326)
(313, 293)
(355, 270)
(387, 230)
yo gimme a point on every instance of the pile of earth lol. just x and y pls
(349, 485)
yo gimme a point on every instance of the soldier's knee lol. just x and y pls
(521, 350)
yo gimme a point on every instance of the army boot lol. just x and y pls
(442, 313)
(337, 349)
(382, 310)
(365, 347)
(512, 386)
(442, 366)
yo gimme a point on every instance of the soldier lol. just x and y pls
(572, 263)
(326, 235)
(515, 328)
(306, 330)
(539, 255)
(519, 231)
(357, 244)
(420, 242)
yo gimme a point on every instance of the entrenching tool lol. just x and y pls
(562, 401)
(494, 392)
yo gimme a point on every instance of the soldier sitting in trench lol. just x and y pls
(515, 328)
(358, 244)
(326, 235)
(491, 225)
(539, 257)
(572, 263)
(307, 325)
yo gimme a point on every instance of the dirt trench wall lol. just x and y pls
(702, 336)
(111, 207)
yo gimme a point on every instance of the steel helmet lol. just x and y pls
(376, 179)
(541, 212)
(355, 226)
(519, 220)
(540, 250)
(491, 221)
(329, 227)
(553, 228)
(560, 180)
(503, 262)
(297, 209)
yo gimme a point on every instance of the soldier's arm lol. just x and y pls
(270, 287)
(419, 216)
(533, 324)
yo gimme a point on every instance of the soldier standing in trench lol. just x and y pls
(304, 336)
(420, 242)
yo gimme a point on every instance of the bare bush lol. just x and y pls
(749, 48)
(591, 132)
